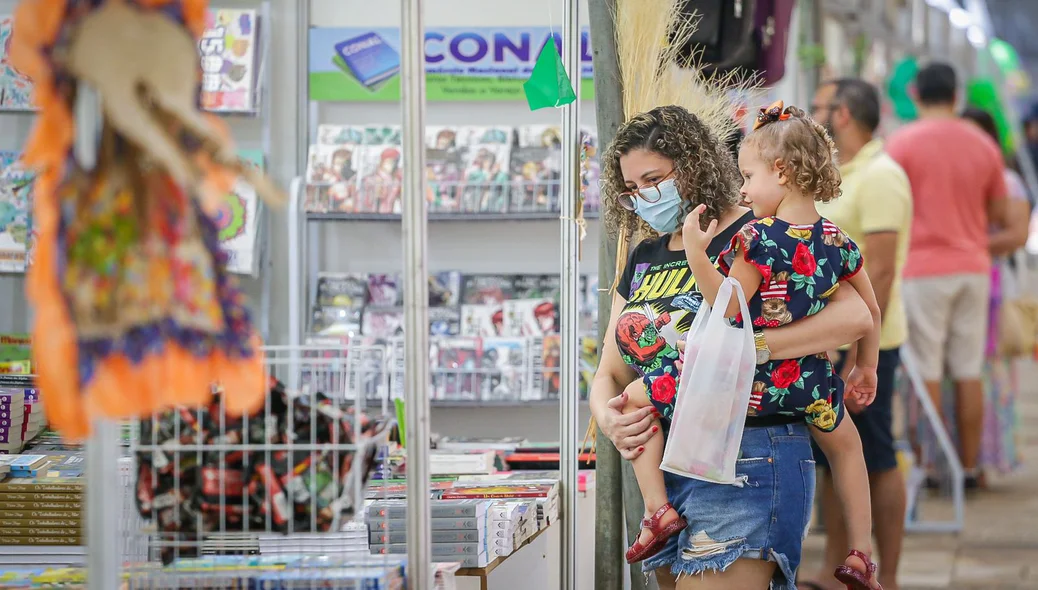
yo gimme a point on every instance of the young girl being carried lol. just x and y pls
(789, 261)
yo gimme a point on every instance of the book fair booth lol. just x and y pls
(409, 264)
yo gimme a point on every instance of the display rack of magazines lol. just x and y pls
(464, 370)
(494, 338)
(489, 171)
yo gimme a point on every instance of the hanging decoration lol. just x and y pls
(1008, 62)
(549, 85)
(134, 308)
(899, 85)
(983, 93)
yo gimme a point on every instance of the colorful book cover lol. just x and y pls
(445, 289)
(487, 288)
(588, 363)
(369, 379)
(503, 366)
(445, 160)
(591, 171)
(536, 169)
(444, 321)
(545, 363)
(238, 221)
(529, 286)
(382, 322)
(332, 171)
(368, 58)
(444, 171)
(342, 289)
(383, 135)
(530, 317)
(486, 179)
(15, 216)
(482, 321)
(15, 87)
(335, 321)
(381, 179)
(384, 290)
(229, 61)
(15, 347)
(328, 134)
(459, 362)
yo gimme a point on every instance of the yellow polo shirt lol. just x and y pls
(876, 198)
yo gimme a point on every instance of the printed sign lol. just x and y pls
(462, 63)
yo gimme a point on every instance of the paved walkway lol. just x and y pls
(998, 550)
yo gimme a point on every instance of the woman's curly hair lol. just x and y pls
(704, 170)
(805, 152)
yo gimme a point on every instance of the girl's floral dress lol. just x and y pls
(801, 267)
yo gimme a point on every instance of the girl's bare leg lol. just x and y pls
(647, 465)
(842, 447)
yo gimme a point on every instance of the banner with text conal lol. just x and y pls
(462, 63)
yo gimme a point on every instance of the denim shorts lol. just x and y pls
(766, 518)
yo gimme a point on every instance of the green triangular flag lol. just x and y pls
(548, 86)
(401, 421)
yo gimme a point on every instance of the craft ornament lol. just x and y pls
(135, 310)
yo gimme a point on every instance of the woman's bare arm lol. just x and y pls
(628, 431)
(613, 374)
(844, 320)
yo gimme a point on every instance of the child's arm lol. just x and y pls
(709, 277)
(861, 381)
(868, 347)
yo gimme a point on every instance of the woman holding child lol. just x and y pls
(666, 172)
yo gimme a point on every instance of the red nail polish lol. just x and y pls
(641, 449)
(655, 429)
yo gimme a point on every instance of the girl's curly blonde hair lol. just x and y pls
(704, 170)
(804, 151)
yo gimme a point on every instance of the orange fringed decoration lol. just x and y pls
(134, 309)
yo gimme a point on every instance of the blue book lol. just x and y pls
(368, 58)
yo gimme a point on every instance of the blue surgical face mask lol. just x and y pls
(664, 215)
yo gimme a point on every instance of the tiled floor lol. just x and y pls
(998, 550)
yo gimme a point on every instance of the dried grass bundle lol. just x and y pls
(650, 37)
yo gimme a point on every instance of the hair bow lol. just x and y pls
(775, 112)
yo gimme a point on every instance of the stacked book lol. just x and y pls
(352, 540)
(12, 415)
(21, 412)
(543, 493)
(42, 516)
(462, 462)
(270, 573)
(461, 531)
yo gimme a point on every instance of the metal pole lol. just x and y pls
(570, 207)
(302, 82)
(416, 296)
(104, 552)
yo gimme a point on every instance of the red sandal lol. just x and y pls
(855, 580)
(638, 552)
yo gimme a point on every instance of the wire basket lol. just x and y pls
(225, 500)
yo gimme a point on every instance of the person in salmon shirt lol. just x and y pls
(959, 194)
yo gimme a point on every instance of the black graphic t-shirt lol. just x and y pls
(662, 300)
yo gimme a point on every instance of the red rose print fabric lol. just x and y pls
(800, 267)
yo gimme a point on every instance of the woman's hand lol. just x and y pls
(693, 236)
(628, 432)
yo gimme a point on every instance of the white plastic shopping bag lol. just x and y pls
(713, 393)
